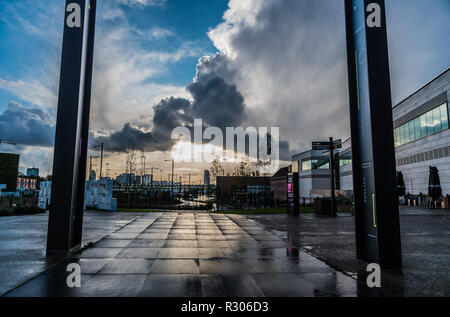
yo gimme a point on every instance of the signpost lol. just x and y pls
(293, 204)
(72, 127)
(330, 146)
(376, 216)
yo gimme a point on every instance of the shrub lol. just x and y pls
(5, 211)
(28, 210)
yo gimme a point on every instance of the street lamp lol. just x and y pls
(173, 164)
(101, 157)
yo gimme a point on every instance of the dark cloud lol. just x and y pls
(291, 58)
(169, 113)
(27, 126)
(215, 101)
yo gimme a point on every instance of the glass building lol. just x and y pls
(429, 123)
(421, 137)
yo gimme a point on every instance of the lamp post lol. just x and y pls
(152, 168)
(173, 164)
(189, 181)
(101, 157)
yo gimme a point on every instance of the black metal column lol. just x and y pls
(377, 214)
(72, 127)
(332, 179)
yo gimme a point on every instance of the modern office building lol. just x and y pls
(422, 139)
(345, 166)
(422, 135)
(313, 172)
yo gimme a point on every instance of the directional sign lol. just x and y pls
(321, 143)
(320, 147)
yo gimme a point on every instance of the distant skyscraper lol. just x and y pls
(147, 179)
(126, 179)
(206, 178)
(33, 172)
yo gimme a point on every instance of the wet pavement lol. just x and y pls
(425, 235)
(191, 254)
(23, 240)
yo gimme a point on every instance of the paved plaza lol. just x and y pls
(190, 254)
(425, 237)
(207, 254)
(23, 240)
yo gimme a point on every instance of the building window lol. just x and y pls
(431, 122)
(306, 165)
(344, 162)
(315, 165)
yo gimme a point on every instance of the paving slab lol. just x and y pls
(425, 238)
(190, 254)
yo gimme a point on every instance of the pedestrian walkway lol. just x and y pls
(193, 254)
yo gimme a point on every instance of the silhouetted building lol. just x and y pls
(206, 180)
(9, 170)
(147, 179)
(33, 171)
(244, 191)
(126, 179)
(278, 185)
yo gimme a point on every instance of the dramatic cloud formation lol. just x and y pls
(126, 65)
(286, 59)
(216, 102)
(290, 64)
(279, 63)
(27, 126)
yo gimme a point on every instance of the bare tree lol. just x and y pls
(216, 168)
(243, 169)
(130, 165)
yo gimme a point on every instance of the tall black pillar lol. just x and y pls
(72, 127)
(377, 214)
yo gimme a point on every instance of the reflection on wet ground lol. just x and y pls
(425, 245)
(194, 254)
(23, 240)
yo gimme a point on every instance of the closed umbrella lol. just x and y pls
(400, 184)
(434, 184)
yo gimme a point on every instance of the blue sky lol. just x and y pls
(23, 48)
(285, 58)
(189, 21)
